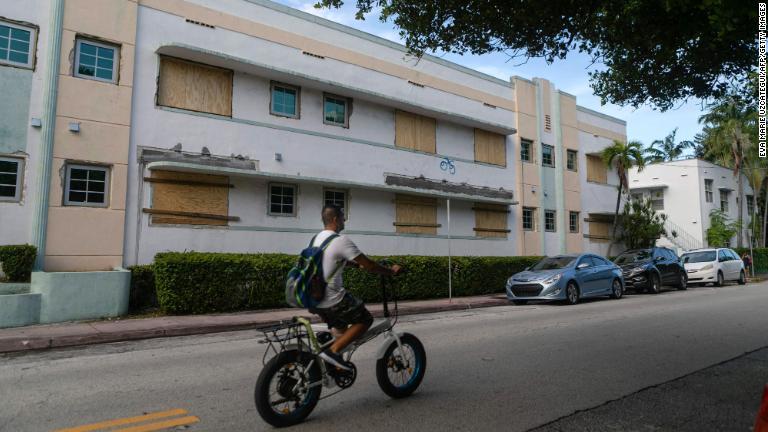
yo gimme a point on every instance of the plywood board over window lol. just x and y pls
(189, 198)
(194, 86)
(491, 220)
(415, 132)
(415, 214)
(490, 148)
(599, 231)
(596, 169)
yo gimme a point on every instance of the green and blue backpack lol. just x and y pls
(305, 287)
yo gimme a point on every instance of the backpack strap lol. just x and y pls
(312, 242)
(323, 246)
(326, 242)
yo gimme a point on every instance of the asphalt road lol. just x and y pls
(505, 368)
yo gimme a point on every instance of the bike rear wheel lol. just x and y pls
(400, 373)
(281, 395)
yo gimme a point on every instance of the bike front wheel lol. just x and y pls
(283, 396)
(399, 372)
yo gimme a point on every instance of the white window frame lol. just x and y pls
(552, 156)
(19, 179)
(30, 64)
(709, 195)
(346, 109)
(727, 195)
(346, 199)
(655, 201)
(533, 219)
(554, 220)
(297, 106)
(570, 221)
(295, 199)
(67, 179)
(115, 60)
(750, 200)
(575, 154)
(531, 152)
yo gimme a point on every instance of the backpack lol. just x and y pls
(305, 287)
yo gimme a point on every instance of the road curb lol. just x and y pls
(95, 336)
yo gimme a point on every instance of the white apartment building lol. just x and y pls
(687, 191)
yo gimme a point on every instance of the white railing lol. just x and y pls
(681, 238)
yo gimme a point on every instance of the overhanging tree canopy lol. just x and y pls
(655, 52)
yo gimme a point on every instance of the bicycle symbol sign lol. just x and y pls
(447, 165)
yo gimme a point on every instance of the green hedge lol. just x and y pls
(143, 295)
(759, 258)
(194, 282)
(17, 261)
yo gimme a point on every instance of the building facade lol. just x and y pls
(687, 191)
(160, 125)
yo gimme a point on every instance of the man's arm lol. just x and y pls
(373, 267)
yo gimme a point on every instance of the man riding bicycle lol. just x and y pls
(340, 309)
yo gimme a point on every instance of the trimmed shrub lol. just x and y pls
(17, 261)
(194, 282)
(143, 294)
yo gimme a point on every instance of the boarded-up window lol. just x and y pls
(194, 87)
(491, 220)
(490, 148)
(599, 231)
(415, 132)
(189, 198)
(415, 214)
(596, 169)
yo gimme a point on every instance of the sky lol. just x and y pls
(569, 75)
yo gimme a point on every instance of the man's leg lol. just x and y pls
(348, 336)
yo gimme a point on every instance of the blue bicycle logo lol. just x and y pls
(447, 165)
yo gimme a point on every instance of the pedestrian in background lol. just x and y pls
(747, 263)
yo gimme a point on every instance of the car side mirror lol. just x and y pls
(527, 268)
(659, 258)
(582, 266)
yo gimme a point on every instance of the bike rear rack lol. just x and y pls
(278, 337)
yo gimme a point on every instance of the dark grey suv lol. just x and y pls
(650, 269)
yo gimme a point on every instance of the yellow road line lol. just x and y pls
(123, 421)
(160, 425)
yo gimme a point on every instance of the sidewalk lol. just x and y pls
(87, 333)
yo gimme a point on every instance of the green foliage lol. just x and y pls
(667, 149)
(759, 258)
(17, 261)
(194, 282)
(720, 230)
(652, 52)
(143, 294)
(641, 225)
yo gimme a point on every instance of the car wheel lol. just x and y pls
(617, 291)
(654, 284)
(520, 302)
(571, 293)
(720, 281)
(683, 283)
(742, 278)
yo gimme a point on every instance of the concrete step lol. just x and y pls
(14, 288)
(18, 310)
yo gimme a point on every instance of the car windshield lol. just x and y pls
(553, 263)
(697, 257)
(633, 256)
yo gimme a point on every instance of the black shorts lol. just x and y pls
(348, 311)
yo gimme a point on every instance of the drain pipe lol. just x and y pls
(45, 158)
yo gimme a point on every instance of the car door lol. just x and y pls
(661, 261)
(673, 267)
(724, 260)
(586, 276)
(603, 274)
(736, 264)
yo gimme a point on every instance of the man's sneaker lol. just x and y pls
(334, 359)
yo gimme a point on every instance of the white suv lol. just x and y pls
(713, 265)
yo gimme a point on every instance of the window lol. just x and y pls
(547, 155)
(637, 196)
(750, 204)
(10, 178)
(572, 161)
(86, 186)
(599, 261)
(415, 132)
(282, 200)
(490, 148)
(529, 218)
(724, 201)
(587, 260)
(657, 199)
(185, 198)
(526, 150)
(96, 60)
(573, 221)
(708, 190)
(335, 111)
(285, 101)
(597, 172)
(336, 197)
(549, 220)
(194, 87)
(17, 45)
(415, 214)
(722, 255)
(491, 220)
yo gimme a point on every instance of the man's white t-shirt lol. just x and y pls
(339, 251)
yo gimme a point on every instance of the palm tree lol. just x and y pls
(667, 150)
(756, 175)
(728, 142)
(622, 156)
